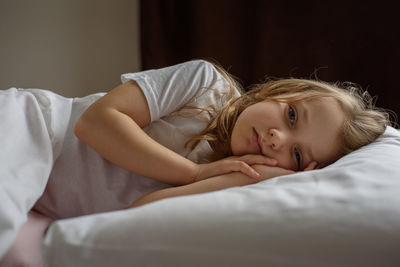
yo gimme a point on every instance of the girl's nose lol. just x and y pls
(277, 139)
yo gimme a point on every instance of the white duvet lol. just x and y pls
(347, 214)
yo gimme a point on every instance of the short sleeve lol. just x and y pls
(168, 89)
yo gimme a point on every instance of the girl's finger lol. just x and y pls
(248, 170)
(253, 174)
(270, 161)
(260, 159)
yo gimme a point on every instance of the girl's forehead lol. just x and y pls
(323, 108)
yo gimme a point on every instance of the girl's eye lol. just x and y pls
(298, 158)
(292, 115)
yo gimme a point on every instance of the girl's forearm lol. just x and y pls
(208, 185)
(128, 146)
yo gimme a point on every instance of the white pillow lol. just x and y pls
(347, 214)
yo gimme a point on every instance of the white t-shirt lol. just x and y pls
(82, 182)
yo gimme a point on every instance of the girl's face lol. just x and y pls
(293, 134)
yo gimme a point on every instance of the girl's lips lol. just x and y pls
(256, 140)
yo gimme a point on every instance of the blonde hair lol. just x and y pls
(363, 123)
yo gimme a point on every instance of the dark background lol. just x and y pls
(354, 41)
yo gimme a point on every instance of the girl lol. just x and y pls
(188, 125)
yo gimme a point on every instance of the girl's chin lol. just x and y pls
(243, 153)
(238, 152)
(243, 149)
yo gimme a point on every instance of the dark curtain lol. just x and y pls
(356, 41)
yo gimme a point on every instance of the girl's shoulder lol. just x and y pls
(193, 83)
(220, 87)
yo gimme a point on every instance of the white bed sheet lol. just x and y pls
(347, 214)
(30, 142)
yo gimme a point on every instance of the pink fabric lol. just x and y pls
(26, 250)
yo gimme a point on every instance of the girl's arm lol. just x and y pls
(208, 185)
(215, 183)
(113, 127)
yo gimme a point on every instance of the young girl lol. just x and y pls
(188, 125)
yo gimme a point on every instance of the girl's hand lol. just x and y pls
(267, 172)
(234, 164)
(311, 166)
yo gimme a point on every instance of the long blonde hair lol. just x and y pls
(364, 122)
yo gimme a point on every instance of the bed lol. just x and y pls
(347, 214)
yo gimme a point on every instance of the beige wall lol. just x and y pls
(72, 47)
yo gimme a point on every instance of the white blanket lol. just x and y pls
(30, 142)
